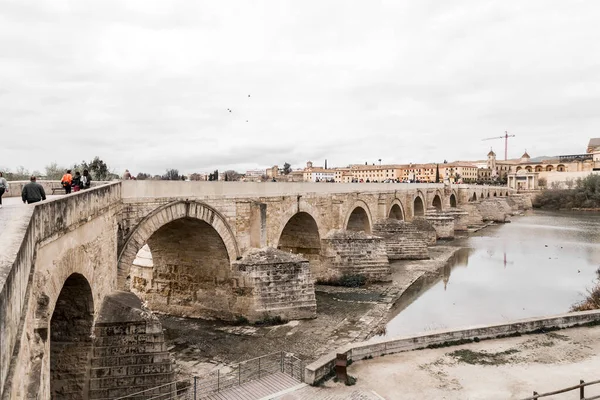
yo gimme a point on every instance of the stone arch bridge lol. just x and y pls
(73, 270)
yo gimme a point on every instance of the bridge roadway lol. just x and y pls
(63, 258)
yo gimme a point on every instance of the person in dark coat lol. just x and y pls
(86, 179)
(33, 192)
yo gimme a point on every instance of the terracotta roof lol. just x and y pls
(491, 153)
(594, 142)
(525, 155)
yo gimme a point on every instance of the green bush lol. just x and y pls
(585, 194)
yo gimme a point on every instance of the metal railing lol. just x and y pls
(197, 388)
(581, 388)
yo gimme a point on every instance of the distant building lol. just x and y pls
(556, 171)
(594, 147)
(273, 172)
(254, 175)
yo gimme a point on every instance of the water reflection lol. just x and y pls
(540, 264)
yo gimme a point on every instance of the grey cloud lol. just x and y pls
(146, 84)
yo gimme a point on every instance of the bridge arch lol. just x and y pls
(300, 235)
(418, 206)
(437, 202)
(71, 339)
(359, 218)
(453, 203)
(396, 210)
(196, 214)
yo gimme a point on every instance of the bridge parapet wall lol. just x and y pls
(46, 222)
(16, 187)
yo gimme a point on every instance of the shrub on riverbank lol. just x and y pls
(585, 194)
(591, 302)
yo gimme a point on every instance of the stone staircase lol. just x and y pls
(356, 253)
(402, 239)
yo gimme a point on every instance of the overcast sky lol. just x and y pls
(147, 84)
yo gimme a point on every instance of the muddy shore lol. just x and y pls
(344, 315)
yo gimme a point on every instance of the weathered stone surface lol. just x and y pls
(461, 218)
(128, 354)
(355, 253)
(519, 202)
(474, 218)
(403, 240)
(442, 223)
(494, 209)
(426, 229)
(281, 284)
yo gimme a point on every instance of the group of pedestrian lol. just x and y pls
(34, 192)
(76, 182)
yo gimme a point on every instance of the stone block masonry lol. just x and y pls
(402, 239)
(426, 229)
(128, 354)
(461, 219)
(474, 218)
(281, 283)
(443, 225)
(346, 253)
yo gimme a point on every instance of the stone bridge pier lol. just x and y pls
(77, 269)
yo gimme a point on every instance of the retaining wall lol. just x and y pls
(358, 351)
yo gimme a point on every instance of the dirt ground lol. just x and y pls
(510, 368)
(344, 315)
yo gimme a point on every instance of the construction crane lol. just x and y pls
(505, 137)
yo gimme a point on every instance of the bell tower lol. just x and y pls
(491, 163)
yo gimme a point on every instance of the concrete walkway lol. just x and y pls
(14, 219)
(510, 368)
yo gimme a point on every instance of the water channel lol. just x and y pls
(540, 264)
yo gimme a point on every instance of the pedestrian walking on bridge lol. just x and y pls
(3, 187)
(66, 181)
(33, 192)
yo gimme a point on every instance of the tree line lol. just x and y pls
(583, 193)
(100, 171)
(96, 167)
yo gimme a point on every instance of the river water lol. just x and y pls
(540, 264)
